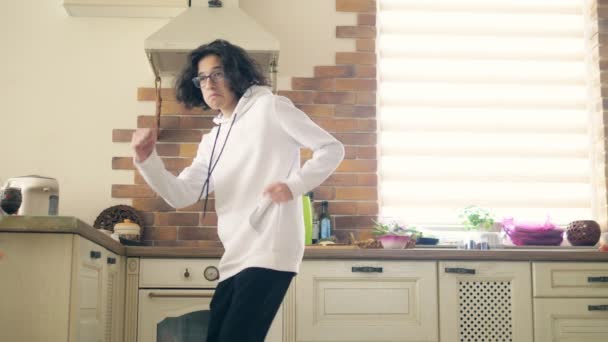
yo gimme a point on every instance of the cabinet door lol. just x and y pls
(366, 301)
(35, 286)
(87, 292)
(275, 333)
(570, 320)
(113, 300)
(485, 301)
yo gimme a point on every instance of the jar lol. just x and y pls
(128, 229)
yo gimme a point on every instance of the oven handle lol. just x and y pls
(179, 295)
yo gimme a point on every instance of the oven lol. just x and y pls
(174, 297)
(174, 315)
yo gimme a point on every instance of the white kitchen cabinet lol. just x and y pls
(65, 289)
(366, 301)
(570, 302)
(35, 286)
(86, 305)
(98, 286)
(125, 8)
(97, 303)
(485, 301)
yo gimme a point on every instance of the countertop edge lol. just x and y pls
(62, 225)
(72, 225)
(569, 255)
(464, 255)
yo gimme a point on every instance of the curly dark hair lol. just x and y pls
(241, 72)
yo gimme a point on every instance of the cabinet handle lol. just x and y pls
(459, 270)
(187, 274)
(95, 254)
(111, 261)
(597, 279)
(367, 269)
(603, 307)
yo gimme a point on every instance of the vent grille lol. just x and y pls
(485, 311)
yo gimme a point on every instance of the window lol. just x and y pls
(483, 102)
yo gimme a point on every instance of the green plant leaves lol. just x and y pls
(476, 218)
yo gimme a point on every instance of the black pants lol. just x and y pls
(243, 306)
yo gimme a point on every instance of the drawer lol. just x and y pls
(560, 279)
(176, 273)
(366, 301)
(571, 319)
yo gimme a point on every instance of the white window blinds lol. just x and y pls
(483, 102)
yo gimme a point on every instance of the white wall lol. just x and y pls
(66, 82)
(306, 31)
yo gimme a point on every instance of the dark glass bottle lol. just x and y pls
(325, 221)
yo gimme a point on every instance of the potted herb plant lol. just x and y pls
(394, 236)
(478, 222)
(476, 218)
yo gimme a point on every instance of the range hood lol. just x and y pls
(168, 48)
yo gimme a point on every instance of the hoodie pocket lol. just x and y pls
(258, 216)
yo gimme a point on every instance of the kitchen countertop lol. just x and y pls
(506, 254)
(72, 225)
(59, 225)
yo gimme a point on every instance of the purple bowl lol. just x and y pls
(394, 241)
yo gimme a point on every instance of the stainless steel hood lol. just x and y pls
(168, 48)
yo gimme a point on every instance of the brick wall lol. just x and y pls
(341, 98)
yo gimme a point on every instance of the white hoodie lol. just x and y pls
(263, 148)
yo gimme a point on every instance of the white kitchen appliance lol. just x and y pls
(174, 300)
(40, 195)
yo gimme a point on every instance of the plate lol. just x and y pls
(127, 242)
(427, 241)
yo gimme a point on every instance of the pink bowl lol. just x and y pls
(394, 241)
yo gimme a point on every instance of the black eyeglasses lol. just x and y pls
(215, 77)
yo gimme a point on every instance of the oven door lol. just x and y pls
(173, 315)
